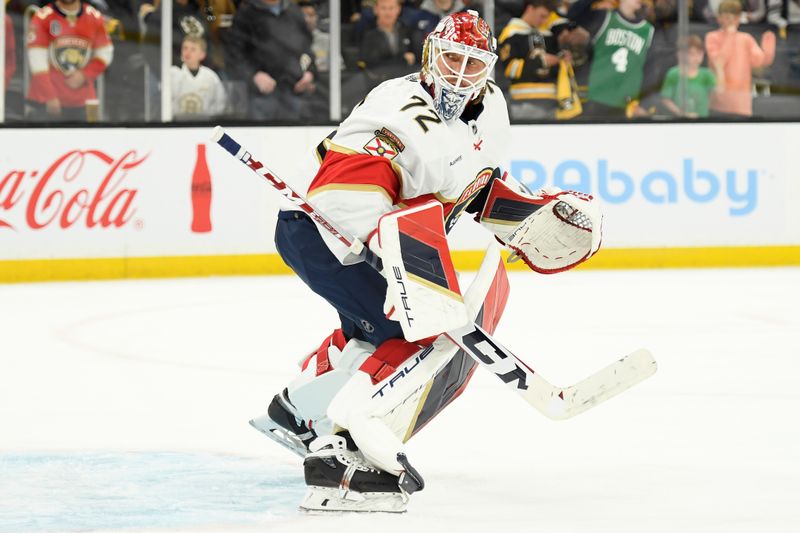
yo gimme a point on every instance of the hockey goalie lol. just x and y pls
(411, 158)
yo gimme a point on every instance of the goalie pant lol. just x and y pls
(356, 291)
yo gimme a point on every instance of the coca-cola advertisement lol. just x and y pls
(134, 193)
(67, 192)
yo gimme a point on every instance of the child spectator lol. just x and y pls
(733, 55)
(11, 51)
(68, 48)
(196, 90)
(700, 82)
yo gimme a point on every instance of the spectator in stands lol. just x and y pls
(442, 8)
(785, 16)
(753, 11)
(587, 14)
(320, 40)
(542, 82)
(270, 50)
(124, 79)
(68, 48)
(219, 15)
(196, 90)
(700, 82)
(420, 20)
(187, 19)
(363, 20)
(422, 17)
(621, 40)
(320, 49)
(782, 13)
(733, 55)
(11, 51)
(387, 51)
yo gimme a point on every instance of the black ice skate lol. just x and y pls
(282, 424)
(339, 478)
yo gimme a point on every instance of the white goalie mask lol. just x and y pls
(457, 60)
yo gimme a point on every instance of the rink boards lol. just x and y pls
(110, 203)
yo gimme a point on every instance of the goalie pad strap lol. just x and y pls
(323, 361)
(387, 358)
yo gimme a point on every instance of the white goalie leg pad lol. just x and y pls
(382, 416)
(311, 393)
(565, 232)
(354, 409)
(422, 287)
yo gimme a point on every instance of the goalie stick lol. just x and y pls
(557, 403)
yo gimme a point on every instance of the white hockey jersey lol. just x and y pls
(395, 151)
(196, 95)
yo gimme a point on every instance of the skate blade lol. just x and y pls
(326, 500)
(285, 438)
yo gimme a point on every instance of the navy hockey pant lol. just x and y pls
(356, 291)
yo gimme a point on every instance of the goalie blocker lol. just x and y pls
(422, 287)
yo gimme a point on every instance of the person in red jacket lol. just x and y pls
(68, 48)
(11, 49)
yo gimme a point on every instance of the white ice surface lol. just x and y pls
(130, 400)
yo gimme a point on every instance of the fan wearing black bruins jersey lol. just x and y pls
(542, 80)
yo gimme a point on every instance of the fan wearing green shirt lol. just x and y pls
(700, 82)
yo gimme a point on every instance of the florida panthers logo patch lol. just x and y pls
(70, 53)
(384, 144)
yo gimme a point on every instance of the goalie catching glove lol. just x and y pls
(551, 230)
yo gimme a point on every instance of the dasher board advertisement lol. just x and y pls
(104, 193)
(673, 184)
(137, 192)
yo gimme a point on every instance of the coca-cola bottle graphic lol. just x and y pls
(201, 193)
